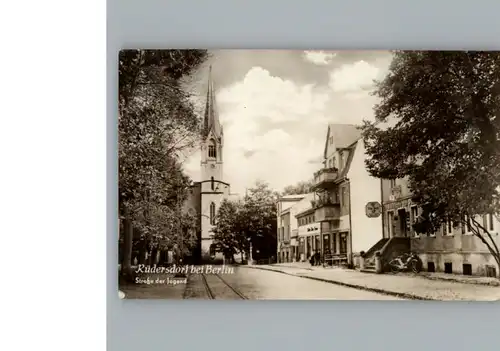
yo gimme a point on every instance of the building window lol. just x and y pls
(466, 229)
(212, 213)
(313, 219)
(212, 183)
(393, 183)
(212, 250)
(211, 149)
(492, 225)
(448, 268)
(390, 220)
(467, 269)
(413, 218)
(430, 267)
(449, 227)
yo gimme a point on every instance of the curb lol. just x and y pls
(354, 286)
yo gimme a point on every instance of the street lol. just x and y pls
(245, 283)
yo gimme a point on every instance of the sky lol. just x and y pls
(275, 107)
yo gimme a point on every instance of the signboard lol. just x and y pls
(373, 209)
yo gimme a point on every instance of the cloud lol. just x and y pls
(254, 147)
(262, 96)
(319, 57)
(355, 77)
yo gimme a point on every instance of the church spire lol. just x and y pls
(211, 120)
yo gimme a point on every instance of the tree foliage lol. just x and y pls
(302, 187)
(251, 220)
(441, 131)
(229, 238)
(156, 121)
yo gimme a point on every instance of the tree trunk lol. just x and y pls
(127, 244)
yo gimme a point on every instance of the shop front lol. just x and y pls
(398, 218)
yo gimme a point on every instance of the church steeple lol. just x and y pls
(211, 120)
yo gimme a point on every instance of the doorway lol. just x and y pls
(402, 222)
(343, 243)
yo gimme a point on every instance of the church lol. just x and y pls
(207, 194)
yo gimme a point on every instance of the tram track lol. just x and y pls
(215, 290)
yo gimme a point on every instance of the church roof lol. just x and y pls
(211, 119)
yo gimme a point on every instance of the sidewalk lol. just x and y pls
(400, 285)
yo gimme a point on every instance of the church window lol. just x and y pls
(212, 213)
(212, 183)
(211, 149)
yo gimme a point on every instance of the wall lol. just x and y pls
(386, 193)
(364, 188)
(298, 207)
(456, 248)
(285, 222)
(206, 199)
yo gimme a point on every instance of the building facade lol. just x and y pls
(452, 249)
(207, 194)
(287, 228)
(343, 188)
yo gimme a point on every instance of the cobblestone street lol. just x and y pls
(406, 285)
(253, 284)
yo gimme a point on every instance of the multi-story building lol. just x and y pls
(452, 249)
(343, 188)
(287, 228)
(308, 233)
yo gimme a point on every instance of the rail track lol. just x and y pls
(215, 290)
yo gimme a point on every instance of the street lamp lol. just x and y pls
(250, 259)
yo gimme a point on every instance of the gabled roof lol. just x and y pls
(350, 156)
(343, 135)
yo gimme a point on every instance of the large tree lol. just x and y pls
(156, 122)
(443, 136)
(251, 221)
(302, 187)
(228, 234)
(260, 216)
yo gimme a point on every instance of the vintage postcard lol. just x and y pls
(301, 175)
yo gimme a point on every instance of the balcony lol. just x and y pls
(327, 213)
(325, 178)
(326, 209)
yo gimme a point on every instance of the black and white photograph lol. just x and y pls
(309, 175)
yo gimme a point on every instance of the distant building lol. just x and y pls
(287, 228)
(308, 228)
(207, 194)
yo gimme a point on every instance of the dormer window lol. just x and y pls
(212, 153)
